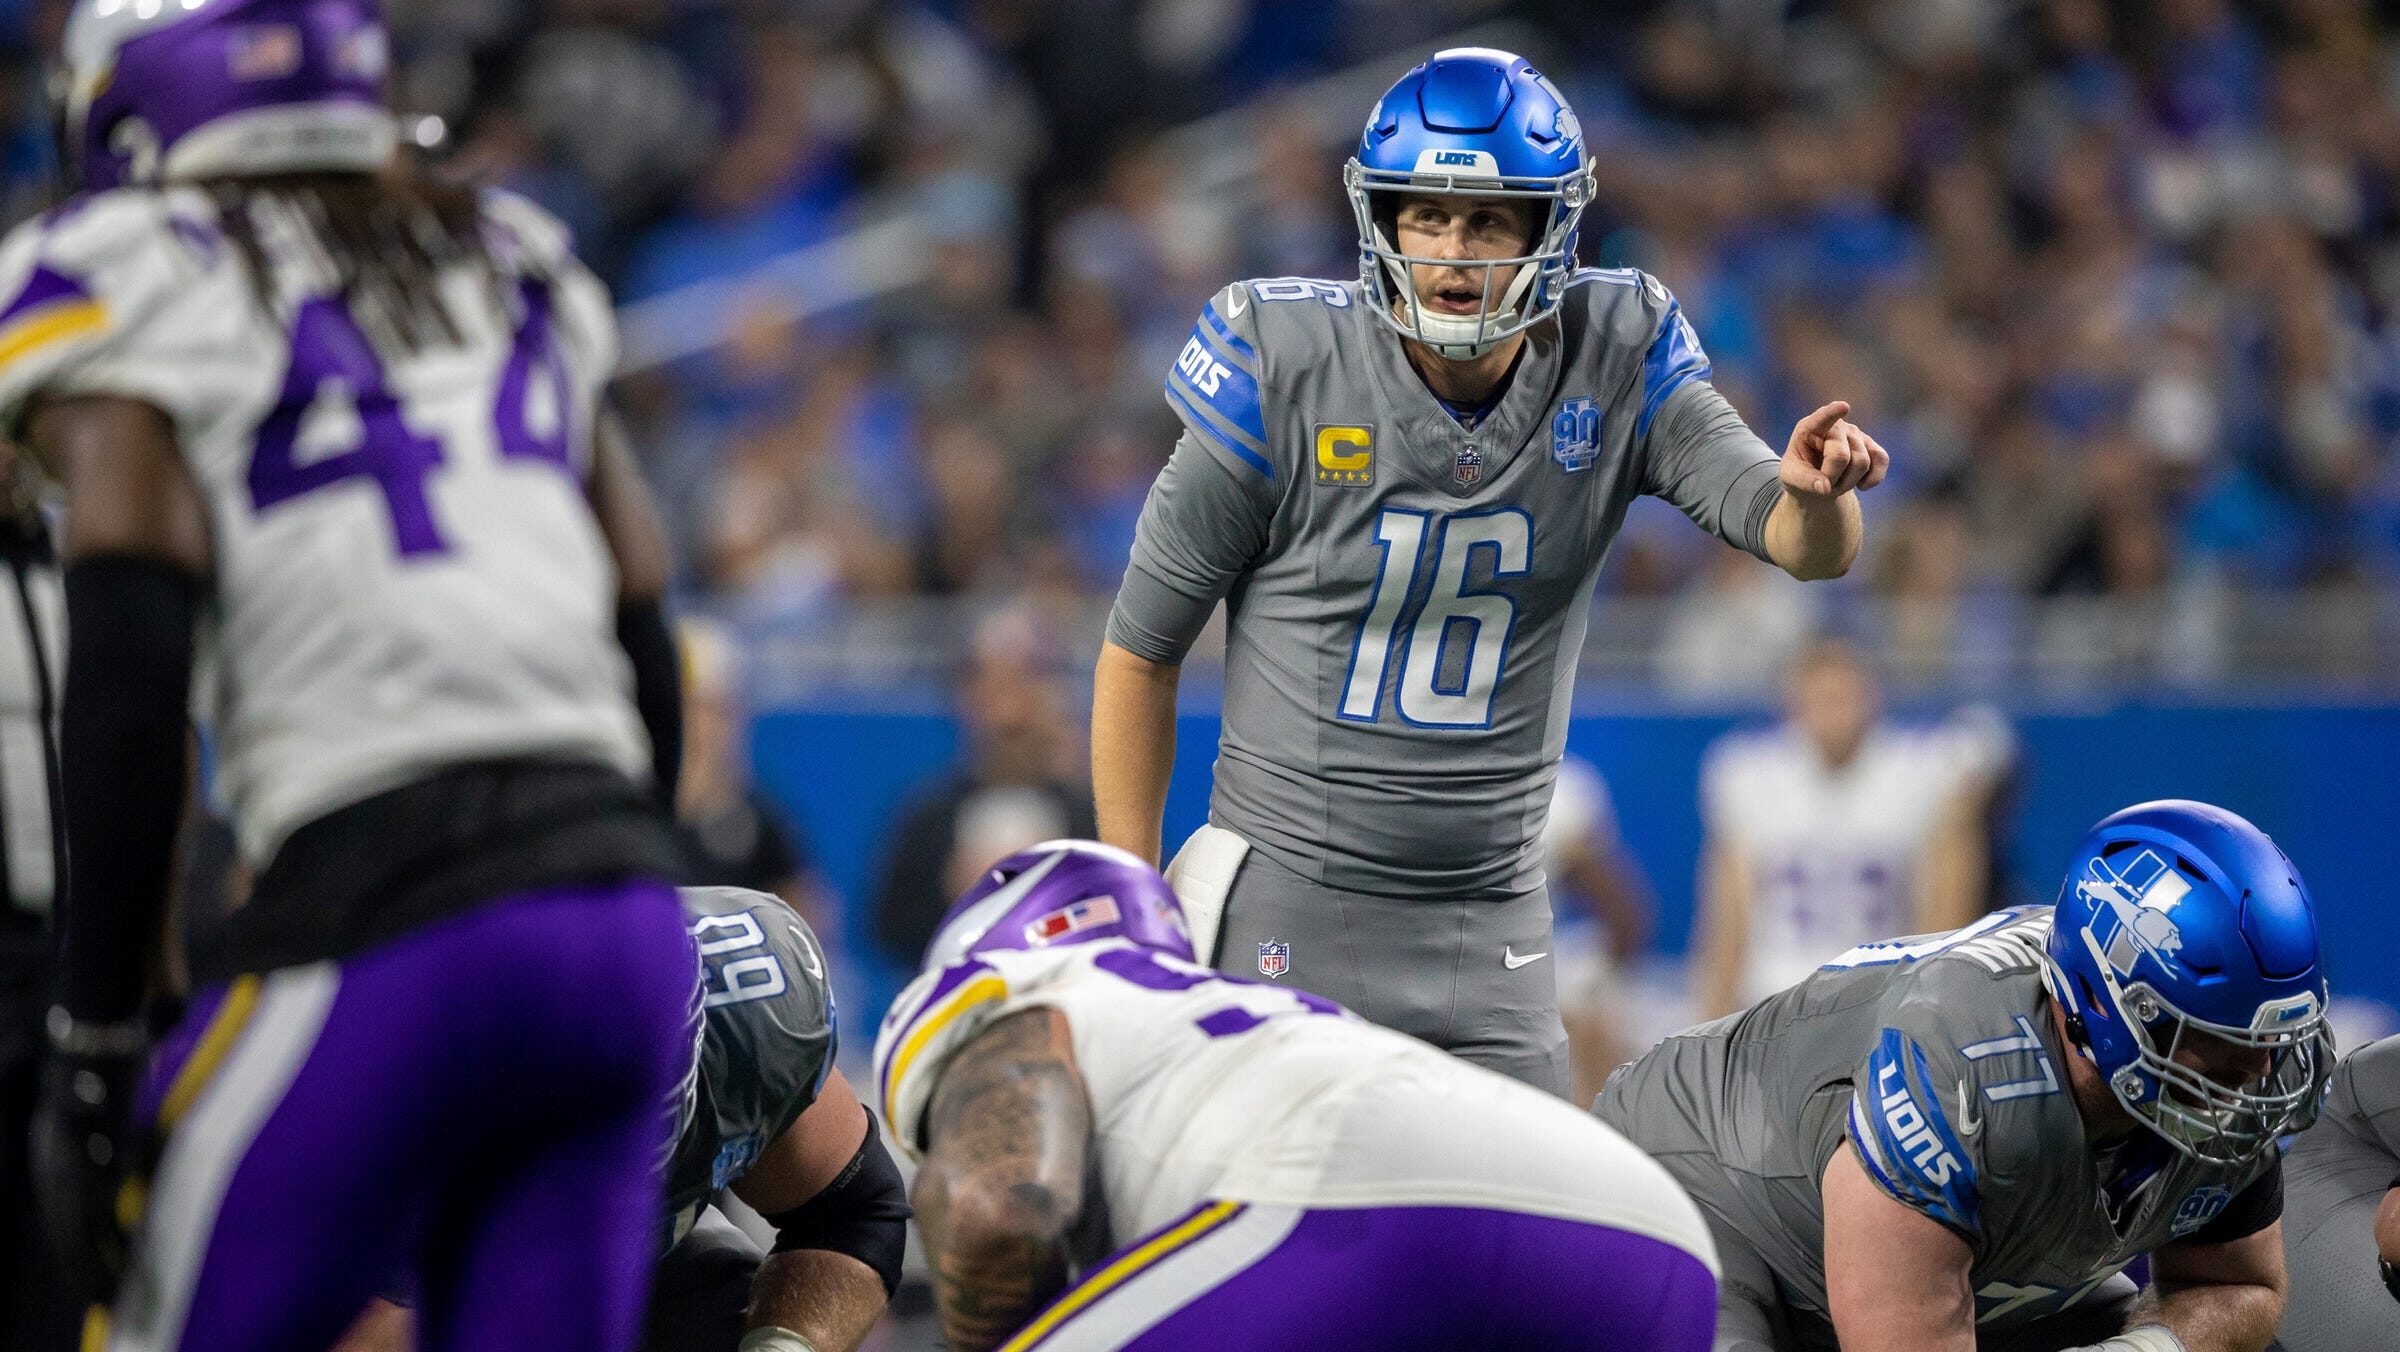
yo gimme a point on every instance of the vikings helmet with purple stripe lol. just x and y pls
(1062, 892)
(151, 90)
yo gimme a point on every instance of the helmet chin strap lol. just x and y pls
(1454, 336)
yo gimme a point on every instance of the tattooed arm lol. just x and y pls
(1003, 1183)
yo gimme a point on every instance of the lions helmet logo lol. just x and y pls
(2139, 901)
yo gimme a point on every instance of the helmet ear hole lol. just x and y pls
(2091, 999)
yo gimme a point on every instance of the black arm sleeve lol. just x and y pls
(863, 1212)
(2252, 1209)
(657, 687)
(122, 760)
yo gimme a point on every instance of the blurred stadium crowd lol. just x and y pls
(2118, 281)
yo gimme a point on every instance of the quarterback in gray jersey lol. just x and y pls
(2343, 1240)
(1403, 488)
(1958, 1141)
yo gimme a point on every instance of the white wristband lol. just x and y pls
(784, 1340)
(2147, 1338)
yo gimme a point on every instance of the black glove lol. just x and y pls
(83, 1147)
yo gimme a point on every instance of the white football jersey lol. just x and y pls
(407, 571)
(1204, 1088)
(1834, 855)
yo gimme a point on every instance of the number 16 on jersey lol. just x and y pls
(1450, 612)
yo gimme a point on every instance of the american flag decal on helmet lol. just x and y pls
(266, 52)
(1075, 918)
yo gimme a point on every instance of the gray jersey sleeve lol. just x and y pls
(1206, 519)
(1200, 528)
(1701, 456)
(1961, 1104)
(769, 1040)
(1905, 1120)
(1696, 451)
(2366, 1089)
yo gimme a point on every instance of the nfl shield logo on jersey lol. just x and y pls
(1575, 435)
(1469, 470)
(1274, 958)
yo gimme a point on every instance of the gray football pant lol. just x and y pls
(1437, 969)
(2332, 1183)
(1753, 1317)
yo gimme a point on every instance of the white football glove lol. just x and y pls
(784, 1340)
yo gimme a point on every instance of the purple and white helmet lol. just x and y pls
(1062, 892)
(153, 90)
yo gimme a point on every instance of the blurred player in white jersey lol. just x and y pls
(1269, 1171)
(330, 437)
(1604, 919)
(1831, 829)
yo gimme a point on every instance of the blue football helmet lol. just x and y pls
(1478, 123)
(1062, 892)
(2177, 924)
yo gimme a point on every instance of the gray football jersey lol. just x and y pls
(1407, 595)
(768, 1043)
(2362, 1099)
(1935, 1057)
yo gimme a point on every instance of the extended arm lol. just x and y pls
(1204, 524)
(638, 541)
(998, 1201)
(834, 1197)
(1724, 929)
(2218, 1297)
(1950, 885)
(1896, 1278)
(1603, 873)
(138, 559)
(1133, 747)
(1815, 530)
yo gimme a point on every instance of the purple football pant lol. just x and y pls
(482, 1105)
(1383, 1279)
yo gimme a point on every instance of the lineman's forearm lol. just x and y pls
(829, 1298)
(2216, 1316)
(1133, 747)
(1815, 538)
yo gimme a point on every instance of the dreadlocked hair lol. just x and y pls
(381, 243)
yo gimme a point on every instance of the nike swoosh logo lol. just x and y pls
(1239, 303)
(1510, 960)
(1968, 1123)
(808, 953)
